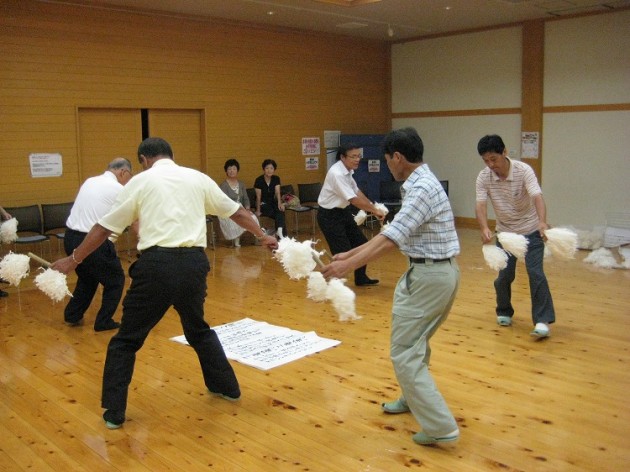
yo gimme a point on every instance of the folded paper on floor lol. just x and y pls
(265, 346)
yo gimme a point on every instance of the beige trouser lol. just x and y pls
(422, 300)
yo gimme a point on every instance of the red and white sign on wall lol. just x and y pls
(310, 146)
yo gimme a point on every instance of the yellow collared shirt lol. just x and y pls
(171, 203)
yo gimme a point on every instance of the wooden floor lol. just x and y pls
(559, 404)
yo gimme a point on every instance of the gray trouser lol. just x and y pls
(422, 300)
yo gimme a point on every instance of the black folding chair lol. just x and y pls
(29, 228)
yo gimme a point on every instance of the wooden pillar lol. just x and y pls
(532, 86)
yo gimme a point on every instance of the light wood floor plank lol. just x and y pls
(522, 405)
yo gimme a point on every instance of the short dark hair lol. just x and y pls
(230, 163)
(266, 162)
(343, 150)
(153, 147)
(490, 143)
(407, 142)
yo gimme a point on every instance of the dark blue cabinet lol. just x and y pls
(369, 182)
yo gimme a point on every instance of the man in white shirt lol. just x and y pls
(170, 203)
(96, 197)
(334, 215)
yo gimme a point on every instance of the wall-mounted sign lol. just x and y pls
(331, 139)
(529, 145)
(374, 165)
(45, 164)
(311, 163)
(310, 146)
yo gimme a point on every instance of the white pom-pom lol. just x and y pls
(8, 231)
(296, 257)
(495, 257)
(562, 242)
(603, 258)
(14, 267)
(515, 244)
(316, 287)
(589, 239)
(53, 283)
(382, 207)
(342, 299)
(360, 217)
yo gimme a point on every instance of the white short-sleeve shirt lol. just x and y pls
(339, 187)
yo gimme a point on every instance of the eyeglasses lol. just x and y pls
(354, 156)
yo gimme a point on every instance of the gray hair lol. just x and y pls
(120, 163)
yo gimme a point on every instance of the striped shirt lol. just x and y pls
(512, 198)
(424, 226)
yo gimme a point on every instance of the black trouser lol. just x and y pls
(161, 278)
(271, 210)
(101, 267)
(342, 233)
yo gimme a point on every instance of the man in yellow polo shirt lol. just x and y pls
(171, 203)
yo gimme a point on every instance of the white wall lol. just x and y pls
(586, 170)
(586, 163)
(586, 155)
(458, 72)
(463, 72)
(587, 60)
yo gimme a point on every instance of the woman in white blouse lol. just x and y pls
(235, 189)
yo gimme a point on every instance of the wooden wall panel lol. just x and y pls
(533, 84)
(182, 129)
(105, 134)
(262, 90)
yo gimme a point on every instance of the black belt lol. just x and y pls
(422, 260)
(335, 209)
(173, 249)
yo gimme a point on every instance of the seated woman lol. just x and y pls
(235, 189)
(268, 201)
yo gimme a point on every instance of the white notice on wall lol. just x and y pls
(529, 145)
(45, 164)
(331, 139)
(374, 165)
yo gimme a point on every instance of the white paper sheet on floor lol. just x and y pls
(265, 346)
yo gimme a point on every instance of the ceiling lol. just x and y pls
(386, 20)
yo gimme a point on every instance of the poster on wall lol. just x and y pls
(529, 145)
(45, 164)
(311, 163)
(331, 139)
(374, 165)
(310, 146)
